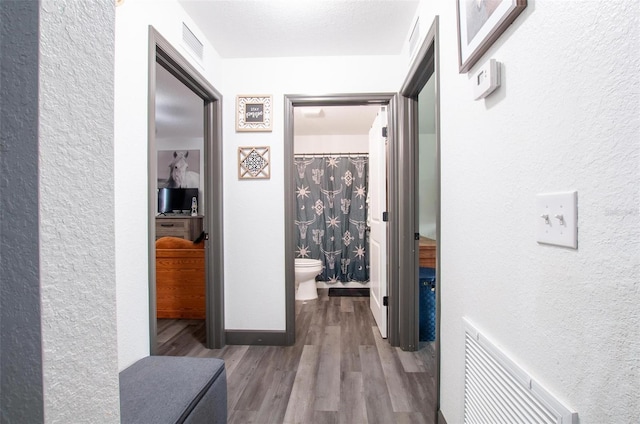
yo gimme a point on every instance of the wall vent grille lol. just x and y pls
(498, 391)
(192, 42)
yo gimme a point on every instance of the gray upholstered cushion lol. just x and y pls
(164, 389)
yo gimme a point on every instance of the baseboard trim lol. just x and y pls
(441, 419)
(258, 338)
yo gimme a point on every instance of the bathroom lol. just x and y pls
(331, 155)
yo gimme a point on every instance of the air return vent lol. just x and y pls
(191, 41)
(499, 391)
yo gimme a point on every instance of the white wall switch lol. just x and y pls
(557, 218)
(486, 80)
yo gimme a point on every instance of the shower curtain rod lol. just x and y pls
(302, 155)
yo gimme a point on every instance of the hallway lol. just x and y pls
(339, 370)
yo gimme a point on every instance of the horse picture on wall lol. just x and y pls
(179, 169)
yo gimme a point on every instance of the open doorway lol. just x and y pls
(383, 105)
(420, 193)
(340, 179)
(185, 194)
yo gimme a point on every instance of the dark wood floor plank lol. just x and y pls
(243, 375)
(243, 417)
(346, 304)
(274, 406)
(328, 379)
(349, 343)
(396, 379)
(364, 322)
(300, 406)
(333, 311)
(257, 386)
(412, 418)
(353, 409)
(376, 394)
(325, 417)
(315, 334)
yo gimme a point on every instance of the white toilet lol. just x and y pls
(306, 271)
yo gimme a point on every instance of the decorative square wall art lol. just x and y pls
(253, 163)
(253, 113)
(480, 24)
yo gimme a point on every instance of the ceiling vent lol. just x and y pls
(191, 41)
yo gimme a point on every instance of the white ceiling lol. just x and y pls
(282, 28)
(285, 28)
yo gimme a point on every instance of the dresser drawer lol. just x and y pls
(172, 227)
(188, 228)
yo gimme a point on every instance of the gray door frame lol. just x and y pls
(290, 102)
(163, 53)
(425, 65)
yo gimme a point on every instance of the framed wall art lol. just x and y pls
(480, 24)
(254, 163)
(253, 113)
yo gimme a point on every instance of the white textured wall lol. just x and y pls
(254, 210)
(77, 278)
(131, 180)
(566, 118)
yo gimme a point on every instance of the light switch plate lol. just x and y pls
(557, 218)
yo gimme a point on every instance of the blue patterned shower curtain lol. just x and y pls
(331, 218)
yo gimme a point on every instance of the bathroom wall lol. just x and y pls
(131, 181)
(566, 117)
(331, 143)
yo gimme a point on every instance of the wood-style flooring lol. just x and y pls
(339, 371)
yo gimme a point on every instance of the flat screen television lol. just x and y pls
(175, 200)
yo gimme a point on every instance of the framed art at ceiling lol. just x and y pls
(480, 24)
(253, 113)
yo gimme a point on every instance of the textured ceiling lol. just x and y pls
(283, 28)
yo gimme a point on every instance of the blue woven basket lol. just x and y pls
(427, 303)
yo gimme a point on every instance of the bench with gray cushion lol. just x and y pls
(169, 389)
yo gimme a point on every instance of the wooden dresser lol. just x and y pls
(180, 279)
(427, 258)
(183, 226)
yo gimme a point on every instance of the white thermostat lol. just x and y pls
(486, 80)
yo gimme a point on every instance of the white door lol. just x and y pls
(378, 232)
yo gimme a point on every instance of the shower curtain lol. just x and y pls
(331, 217)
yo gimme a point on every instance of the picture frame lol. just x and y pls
(254, 163)
(254, 113)
(480, 24)
(178, 168)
